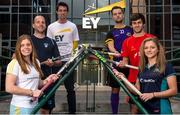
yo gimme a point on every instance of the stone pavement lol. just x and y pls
(87, 102)
(90, 101)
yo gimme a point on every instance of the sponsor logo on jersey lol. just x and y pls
(46, 45)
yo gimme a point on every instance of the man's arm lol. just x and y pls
(123, 62)
(110, 46)
(49, 33)
(75, 44)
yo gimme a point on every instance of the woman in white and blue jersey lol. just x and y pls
(156, 79)
(23, 77)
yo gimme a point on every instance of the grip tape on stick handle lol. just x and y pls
(131, 66)
(126, 65)
(43, 88)
(129, 84)
(114, 54)
(57, 58)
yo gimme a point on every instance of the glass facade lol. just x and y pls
(16, 17)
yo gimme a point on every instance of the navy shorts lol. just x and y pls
(131, 101)
(50, 104)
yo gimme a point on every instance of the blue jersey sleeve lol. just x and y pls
(109, 37)
(169, 70)
(56, 52)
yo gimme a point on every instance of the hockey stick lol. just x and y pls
(77, 54)
(104, 60)
(57, 58)
(82, 48)
(111, 54)
(126, 65)
(130, 85)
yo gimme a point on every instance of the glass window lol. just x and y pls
(113, 1)
(26, 9)
(14, 26)
(25, 2)
(77, 21)
(5, 2)
(4, 22)
(102, 3)
(78, 8)
(176, 2)
(90, 5)
(14, 9)
(25, 24)
(4, 18)
(5, 9)
(156, 9)
(176, 26)
(41, 6)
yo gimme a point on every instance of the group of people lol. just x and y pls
(156, 79)
(26, 74)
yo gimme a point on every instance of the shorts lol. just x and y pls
(14, 110)
(50, 103)
(112, 82)
(131, 101)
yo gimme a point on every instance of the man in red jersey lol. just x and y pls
(130, 49)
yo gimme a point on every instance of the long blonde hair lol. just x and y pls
(33, 56)
(161, 59)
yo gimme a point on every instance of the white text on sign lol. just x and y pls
(90, 22)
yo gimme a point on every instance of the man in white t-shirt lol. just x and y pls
(66, 36)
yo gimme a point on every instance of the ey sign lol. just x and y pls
(90, 22)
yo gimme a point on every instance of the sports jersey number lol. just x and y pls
(121, 31)
(59, 38)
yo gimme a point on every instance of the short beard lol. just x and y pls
(119, 21)
(138, 31)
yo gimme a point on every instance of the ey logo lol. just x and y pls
(92, 22)
(59, 38)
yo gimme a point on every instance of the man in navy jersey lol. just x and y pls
(46, 49)
(114, 40)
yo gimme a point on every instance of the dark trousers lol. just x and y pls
(71, 96)
(69, 85)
